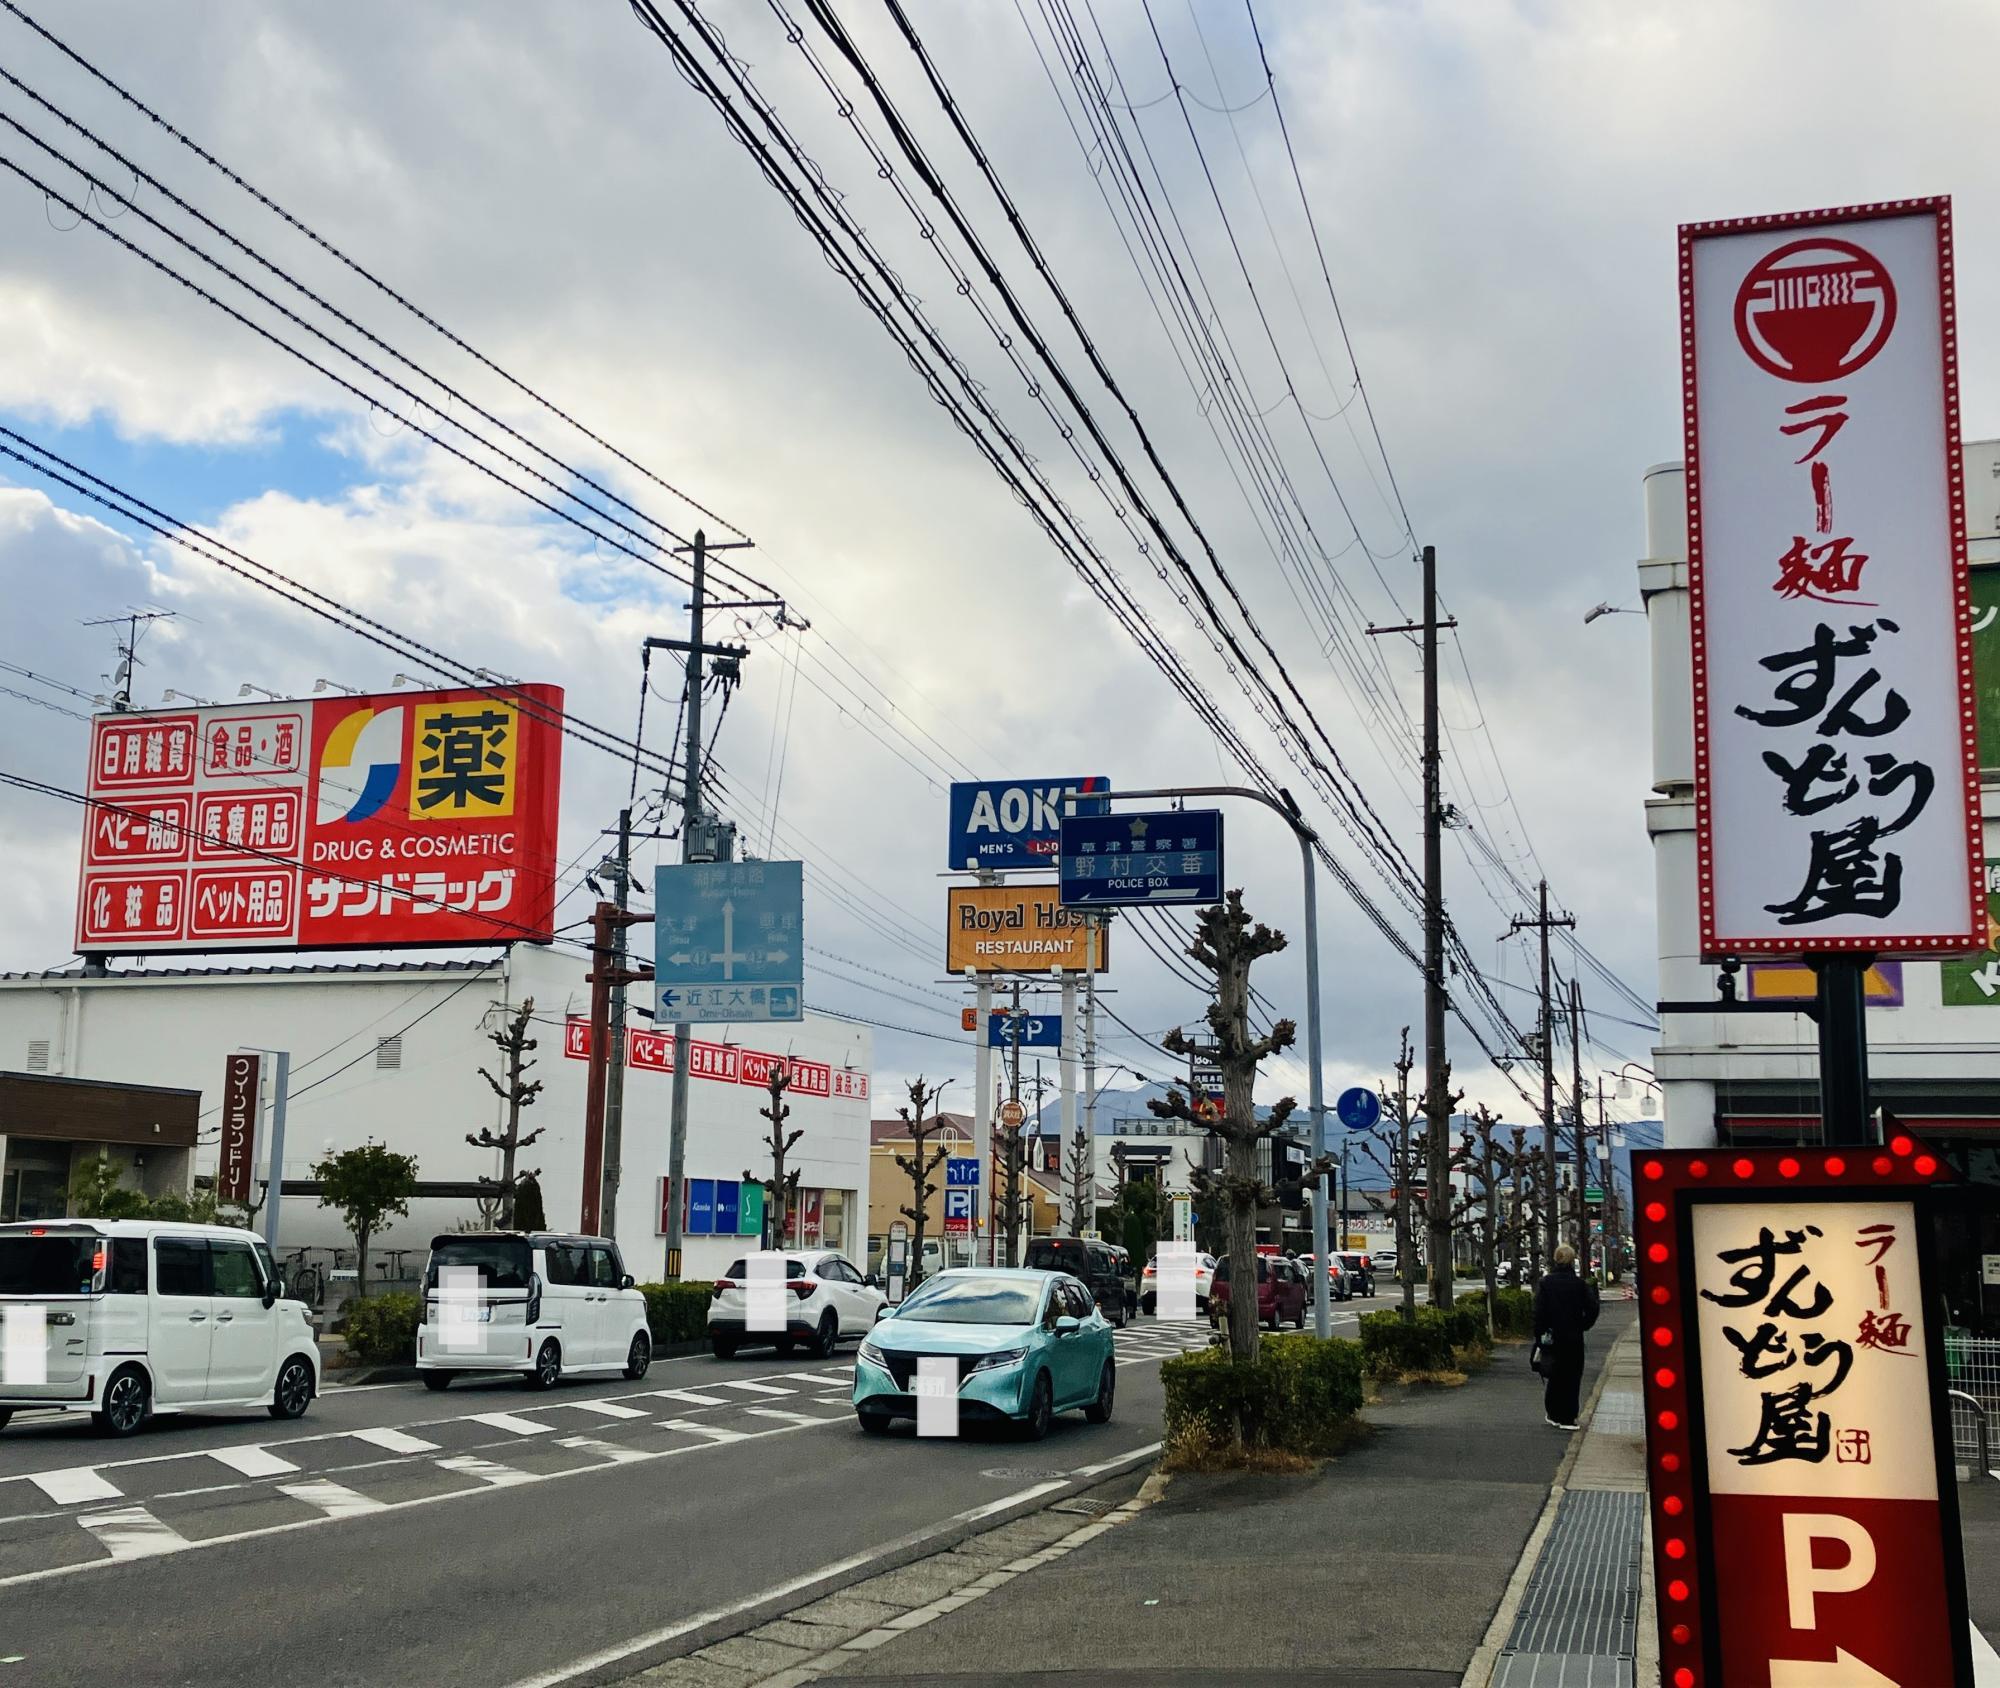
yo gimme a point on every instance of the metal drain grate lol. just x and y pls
(1089, 1508)
(1577, 1623)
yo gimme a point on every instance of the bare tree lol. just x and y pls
(1225, 945)
(1081, 1186)
(518, 1092)
(1440, 1161)
(1487, 1163)
(1400, 1165)
(919, 1121)
(782, 1187)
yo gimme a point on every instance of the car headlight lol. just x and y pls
(873, 1355)
(1000, 1361)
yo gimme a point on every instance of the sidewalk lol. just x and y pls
(1385, 1568)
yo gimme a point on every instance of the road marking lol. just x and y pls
(252, 1461)
(1107, 1465)
(396, 1441)
(608, 1409)
(757, 1388)
(714, 1432)
(778, 1591)
(507, 1421)
(470, 1465)
(692, 1397)
(132, 1533)
(825, 1379)
(611, 1453)
(336, 1500)
(792, 1417)
(78, 1483)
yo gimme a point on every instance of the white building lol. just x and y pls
(1933, 1028)
(392, 1052)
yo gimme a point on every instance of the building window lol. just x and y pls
(38, 1054)
(389, 1052)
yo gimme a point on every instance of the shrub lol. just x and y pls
(1514, 1313)
(1390, 1346)
(1297, 1397)
(677, 1312)
(382, 1329)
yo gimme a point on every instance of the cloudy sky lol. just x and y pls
(1495, 188)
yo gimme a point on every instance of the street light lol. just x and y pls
(247, 688)
(170, 696)
(335, 685)
(1608, 609)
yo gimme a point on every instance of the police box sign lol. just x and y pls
(1016, 823)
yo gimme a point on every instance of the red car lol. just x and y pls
(1281, 1292)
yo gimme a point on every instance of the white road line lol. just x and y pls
(790, 1417)
(1106, 1465)
(252, 1461)
(714, 1432)
(396, 1441)
(78, 1483)
(608, 1409)
(336, 1500)
(132, 1533)
(756, 1388)
(470, 1465)
(610, 1452)
(824, 1379)
(693, 1397)
(507, 1421)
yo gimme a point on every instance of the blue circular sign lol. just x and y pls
(1359, 1109)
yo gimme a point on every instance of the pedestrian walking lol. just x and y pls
(1565, 1307)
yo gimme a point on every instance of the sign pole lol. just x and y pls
(1843, 1047)
(1067, 1067)
(1090, 1075)
(982, 1120)
(274, 1190)
(1322, 1296)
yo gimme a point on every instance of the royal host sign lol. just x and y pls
(1836, 766)
(411, 818)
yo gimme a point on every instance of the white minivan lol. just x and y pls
(532, 1303)
(125, 1318)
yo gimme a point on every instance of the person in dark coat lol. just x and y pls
(1565, 1307)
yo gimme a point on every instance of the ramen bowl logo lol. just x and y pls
(1816, 310)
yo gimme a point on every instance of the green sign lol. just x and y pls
(1593, 1195)
(1975, 981)
(1986, 661)
(750, 1211)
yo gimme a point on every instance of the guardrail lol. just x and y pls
(1971, 1443)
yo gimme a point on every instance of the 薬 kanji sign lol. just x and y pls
(413, 818)
(1836, 757)
(1799, 1456)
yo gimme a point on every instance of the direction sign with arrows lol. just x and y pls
(729, 937)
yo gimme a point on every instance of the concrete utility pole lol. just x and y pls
(1582, 1128)
(690, 815)
(1091, 942)
(1542, 924)
(1067, 1067)
(614, 1076)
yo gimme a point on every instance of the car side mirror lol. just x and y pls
(627, 1281)
(271, 1293)
(872, 1282)
(882, 1312)
(1068, 1325)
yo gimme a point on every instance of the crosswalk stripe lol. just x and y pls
(395, 1441)
(606, 1409)
(714, 1432)
(507, 1421)
(791, 1417)
(468, 1465)
(825, 1379)
(336, 1500)
(132, 1533)
(756, 1388)
(610, 1452)
(77, 1483)
(251, 1462)
(694, 1398)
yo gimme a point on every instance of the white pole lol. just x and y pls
(274, 1196)
(982, 1125)
(1068, 1069)
(1090, 1074)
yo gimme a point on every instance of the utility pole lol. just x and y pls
(1091, 941)
(614, 1086)
(1546, 1034)
(1582, 1129)
(1438, 1099)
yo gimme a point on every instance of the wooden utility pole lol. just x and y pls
(1542, 923)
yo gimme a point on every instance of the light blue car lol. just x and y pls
(1028, 1345)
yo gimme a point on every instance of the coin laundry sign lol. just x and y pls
(1836, 757)
(1798, 1450)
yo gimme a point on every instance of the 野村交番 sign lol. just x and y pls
(1115, 861)
(1836, 755)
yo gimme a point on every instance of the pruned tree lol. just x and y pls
(1488, 1162)
(1010, 1142)
(1079, 1184)
(782, 1187)
(1225, 945)
(1399, 1113)
(919, 1122)
(1441, 1159)
(519, 1092)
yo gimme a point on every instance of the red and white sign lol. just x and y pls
(1836, 767)
(412, 818)
(725, 1063)
(236, 1160)
(1804, 1513)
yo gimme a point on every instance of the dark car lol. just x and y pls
(1092, 1264)
(1281, 1292)
(1360, 1267)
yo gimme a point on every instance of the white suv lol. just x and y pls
(125, 1318)
(825, 1298)
(532, 1303)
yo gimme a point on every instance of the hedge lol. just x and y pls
(1295, 1396)
(1389, 1345)
(382, 1329)
(677, 1312)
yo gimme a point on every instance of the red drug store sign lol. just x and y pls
(1798, 1444)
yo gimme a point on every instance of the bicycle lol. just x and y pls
(305, 1281)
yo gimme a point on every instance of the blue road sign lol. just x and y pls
(728, 941)
(1031, 1031)
(1014, 823)
(1168, 856)
(1358, 1109)
(961, 1172)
